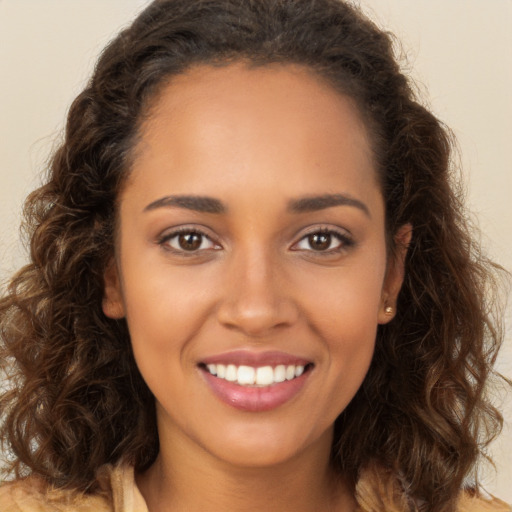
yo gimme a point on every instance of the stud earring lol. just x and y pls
(388, 310)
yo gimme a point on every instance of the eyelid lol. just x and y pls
(345, 238)
(169, 234)
(343, 235)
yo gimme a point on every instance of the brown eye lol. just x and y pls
(190, 241)
(187, 241)
(324, 241)
(320, 241)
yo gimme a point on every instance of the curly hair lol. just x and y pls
(76, 399)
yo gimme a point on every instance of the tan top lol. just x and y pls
(377, 491)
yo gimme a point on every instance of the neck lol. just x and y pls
(188, 480)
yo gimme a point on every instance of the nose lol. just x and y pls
(257, 299)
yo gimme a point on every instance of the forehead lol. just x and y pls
(279, 125)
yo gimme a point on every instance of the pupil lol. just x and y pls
(190, 241)
(320, 241)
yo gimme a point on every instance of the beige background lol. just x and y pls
(459, 50)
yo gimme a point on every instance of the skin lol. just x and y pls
(257, 140)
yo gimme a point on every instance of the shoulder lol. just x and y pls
(469, 503)
(380, 490)
(33, 494)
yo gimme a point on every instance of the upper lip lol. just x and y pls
(256, 359)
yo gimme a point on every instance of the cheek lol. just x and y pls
(161, 319)
(350, 338)
(158, 313)
(349, 326)
(343, 310)
(165, 307)
(346, 301)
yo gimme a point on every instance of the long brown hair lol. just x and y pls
(76, 399)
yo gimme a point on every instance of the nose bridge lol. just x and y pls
(256, 266)
(255, 299)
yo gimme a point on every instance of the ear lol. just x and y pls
(394, 274)
(113, 303)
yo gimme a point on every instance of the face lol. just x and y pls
(251, 261)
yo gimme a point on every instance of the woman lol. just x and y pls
(251, 281)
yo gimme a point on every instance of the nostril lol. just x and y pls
(255, 316)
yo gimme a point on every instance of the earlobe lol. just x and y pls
(112, 304)
(394, 274)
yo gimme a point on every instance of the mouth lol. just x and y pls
(255, 383)
(259, 377)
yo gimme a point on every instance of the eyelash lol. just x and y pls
(164, 241)
(345, 241)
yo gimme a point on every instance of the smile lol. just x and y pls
(261, 376)
(256, 382)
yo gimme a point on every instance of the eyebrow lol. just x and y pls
(207, 204)
(198, 203)
(315, 203)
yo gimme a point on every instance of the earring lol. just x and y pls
(388, 310)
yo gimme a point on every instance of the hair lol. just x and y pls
(75, 398)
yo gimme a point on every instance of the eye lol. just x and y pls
(188, 241)
(326, 241)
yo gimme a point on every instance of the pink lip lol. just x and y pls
(255, 399)
(244, 357)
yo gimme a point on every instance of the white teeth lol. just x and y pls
(280, 373)
(221, 371)
(246, 375)
(264, 376)
(261, 376)
(231, 375)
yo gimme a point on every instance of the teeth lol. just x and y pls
(231, 374)
(246, 375)
(280, 373)
(264, 376)
(221, 371)
(261, 376)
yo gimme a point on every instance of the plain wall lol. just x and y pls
(460, 51)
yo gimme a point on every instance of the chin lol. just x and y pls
(257, 446)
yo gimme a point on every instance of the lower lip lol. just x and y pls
(255, 399)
